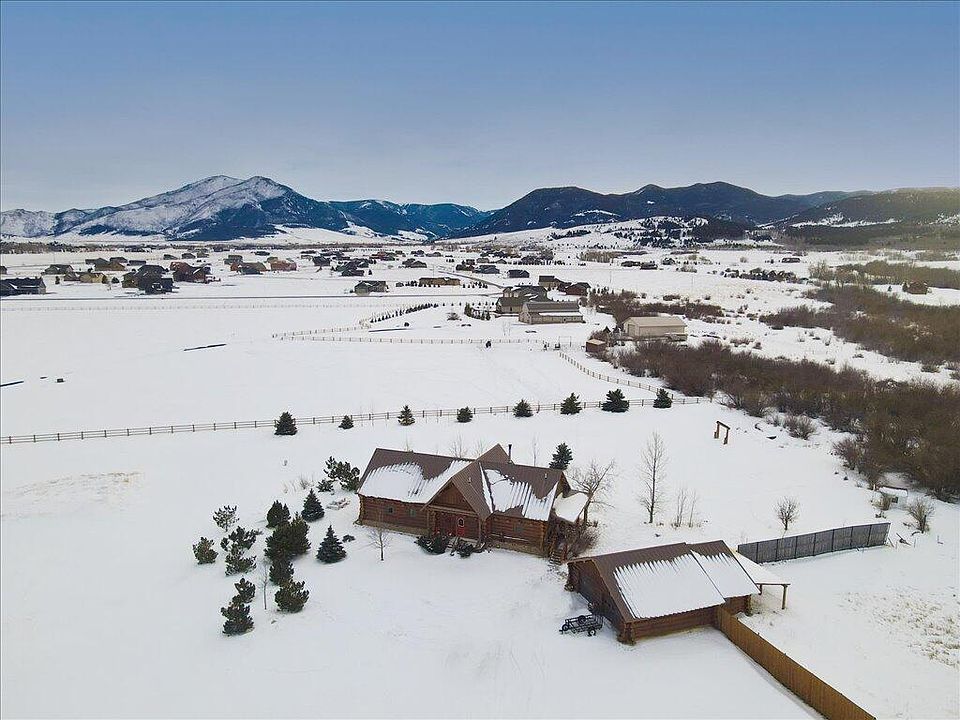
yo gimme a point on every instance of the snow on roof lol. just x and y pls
(726, 574)
(503, 493)
(656, 320)
(666, 587)
(407, 482)
(758, 573)
(569, 508)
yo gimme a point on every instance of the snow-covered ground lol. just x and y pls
(100, 591)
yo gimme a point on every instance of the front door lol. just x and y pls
(461, 526)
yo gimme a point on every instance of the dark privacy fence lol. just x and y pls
(818, 543)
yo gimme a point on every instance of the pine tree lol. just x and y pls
(663, 399)
(281, 570)
(240, 537)
(325, 485)
(615, 402)
(464, 415)
(330, 550)
(285, 424)
(312, 507)
(522, 409)
(289, 539)
(278, 514)
(406, 416)
(571, 405)
(292, 596)
(225, 517)
(237, 562)
(238, 620)
(204, 552)
(346, 423)
(245, 590)
(349, 477)
(562, 457)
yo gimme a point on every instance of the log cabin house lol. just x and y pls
(662, 589)
(489, 499)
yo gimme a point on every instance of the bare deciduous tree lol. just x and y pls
(654, 460)
(680, 507)
(692, 509)
(264, 578)
(920, 509)
(787, 511)
(534, 447)
(458, 447)
(593, 482)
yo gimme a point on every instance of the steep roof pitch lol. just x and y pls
(495, 454)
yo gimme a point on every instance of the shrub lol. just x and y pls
(615, 402)
(406, 416)
(522, 409)
(292, 596)
(244, 539)
(245, 590)
(277, 515)
(312, 507)
(238, 620)
(464, 415)
(571, 405)
(799, 426)
(281, 570)
(285, 424)
(204, 552)
(787, 511)
(236, 562)
(346, 423)
(920, 509)
(289, 539)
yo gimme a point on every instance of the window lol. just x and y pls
(413, 512)
(389, 510)
(460, 522)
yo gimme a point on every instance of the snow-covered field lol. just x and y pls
(100, 592)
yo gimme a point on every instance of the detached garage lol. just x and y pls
(663, 589)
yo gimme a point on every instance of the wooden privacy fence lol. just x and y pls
(824, 698)
(818, 543)
(318, 420)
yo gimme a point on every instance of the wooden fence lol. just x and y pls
(816, 543)
(625, 381)
(301, 421)
(824, 698)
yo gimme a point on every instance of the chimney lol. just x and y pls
(510, 451)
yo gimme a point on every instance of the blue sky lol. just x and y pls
(473, 103)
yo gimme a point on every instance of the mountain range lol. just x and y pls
(226, 208)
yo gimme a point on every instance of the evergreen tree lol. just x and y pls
(204, 552)
(277, 515)
(562, 457)
(346, 423)
(292, 596)
(245, 590)
(238, 620)
(325, 485)
(406, 416)
(285, 424)
(312, 507)
(225, 517)
(663, 399)
(464, 415)
(615, 402)
(237, 562)
(522, 409)
(349, 477)
(330, 550)
(281, 570)
(571, 405)
(240, 537)
(289, 539)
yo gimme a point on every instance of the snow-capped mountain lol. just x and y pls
(223, 208)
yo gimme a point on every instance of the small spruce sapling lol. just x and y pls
(346, 423)
(330, 550)
(281, 570)
(464, 415)
(245, 590)
(571, 405)
(522, 409)
(285, 424)
(292, 596)
(204, 552)
(238, 620)
(615, 402)
(236, 562)
(663, 399)
(312, 507)
(406, 416)
(562, 457)
(277, 515)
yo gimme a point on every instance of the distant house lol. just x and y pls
(654, 327)
(668, 261)
(438, 281)
(916, 288)
(89, 276)
(185, 272)
(22, 286)
(517, 273)
(365, 287)
(648, 265)
(283, 265)
(663, 589)
(249, 268)
(578, 289)
(541, 312)
(548, 282)
(512, 299)
(187, 256)
(489, 499)
(412, 263)
(151, 279)
(137, 263)
(321, 260)
(791, 259)
(108, 265)
(57, 269)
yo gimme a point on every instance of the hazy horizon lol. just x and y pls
(474, 104)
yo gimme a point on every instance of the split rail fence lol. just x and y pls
(822, 697)
(818, 543)
(301, 421)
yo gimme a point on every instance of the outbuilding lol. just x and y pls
(655, 327)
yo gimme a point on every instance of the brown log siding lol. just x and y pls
(407, 516)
